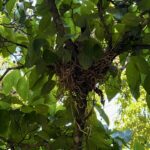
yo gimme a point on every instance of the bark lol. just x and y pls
(80, 122)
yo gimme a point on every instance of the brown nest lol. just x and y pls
(78, 80)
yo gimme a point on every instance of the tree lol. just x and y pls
(63, 53)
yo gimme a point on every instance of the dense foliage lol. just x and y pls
(58, 58)
(140, 114)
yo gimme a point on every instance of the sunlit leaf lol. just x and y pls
(10, 81)
(23, 88)
(10, 5)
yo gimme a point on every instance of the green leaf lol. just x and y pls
(46, 27)
(85, 61)
(148, 100)
(99, 32)
(49, 57)
(42, 109)
(133, 78)
(35, 52)
(10, 81)
(62, 142)
(63, 117)
(146, 38)
(48, 86)
(10, 5)
(15, 133)
(34, 76)
(94, 1)
(112, 87)
(4, 119)
(120, 27)
(4, 105)
(91, 52)
(147, 83)
(64, 55)
(1, 4)
(98, 135)
(26, 109)
(86, 7)
(22, 16)
(144, 5)
(141, 64)
(23, 88)
(131, 20)
(37, 86)
(138, 146)
(103, 114)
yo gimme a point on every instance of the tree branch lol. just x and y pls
(3, 39)
(69, 45)
(13, 26)
(9, 69)
(101, 16)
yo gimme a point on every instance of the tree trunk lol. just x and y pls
(80, 121)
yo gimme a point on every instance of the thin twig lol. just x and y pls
(12, 42)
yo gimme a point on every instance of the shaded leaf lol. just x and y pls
(42, 109)
(48, 86)
(131, 20)
(146, 84)
(144, 4)
(4, 119)
(133, 78)
(148, 100)
(49, 57)
(103, 114)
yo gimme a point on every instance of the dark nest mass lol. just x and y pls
(80, 81)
